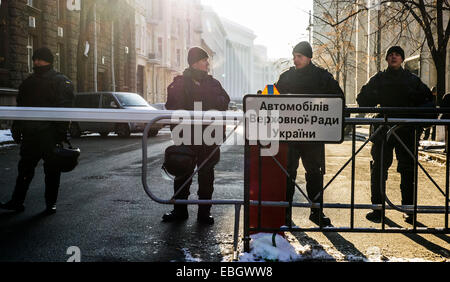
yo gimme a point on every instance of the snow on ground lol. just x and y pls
(6, 139)
(5, 136)
(262, 249)
(269, 247)
(189, 257)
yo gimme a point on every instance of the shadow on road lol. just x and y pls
(422, 241)
(339, 242)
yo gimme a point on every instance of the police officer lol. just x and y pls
(394, 87)
(197, 86)
(37, 139)
(307, 78)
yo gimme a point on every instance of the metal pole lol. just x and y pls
(447, 162)
(382, 184)
(246, 197)
(237, 213)
(352, 197)
(259, 185)
(416, 156)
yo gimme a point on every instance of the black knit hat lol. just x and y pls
(43, 54)
(196, 54)
(304, 48)
(396, 49)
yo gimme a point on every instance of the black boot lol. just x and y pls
(50, 209)
(204, 215)
(319, 218)
(179, 213)
(374, 216)
(12, 206)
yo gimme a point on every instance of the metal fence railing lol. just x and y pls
(385, 120)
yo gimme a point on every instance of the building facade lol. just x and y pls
(106, 48)
(239, 60)
(165, 30)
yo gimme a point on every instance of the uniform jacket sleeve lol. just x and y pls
(369, 96)
(282, 84)
(420, 93)
(331, 85)
(218, 99)
(175, 95)
(64, 99)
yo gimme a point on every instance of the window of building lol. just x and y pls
(33, 3)
(30, 48)
(61, 9)
(60, 58)
(160, 46)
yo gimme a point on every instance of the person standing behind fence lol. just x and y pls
(195, 85)
(44, 88)
(394, 87)
(307, 78)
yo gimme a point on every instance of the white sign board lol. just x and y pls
(305, 118)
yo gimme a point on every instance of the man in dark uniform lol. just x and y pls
(37, 139)
(307, 78)
(195, 85)
(394, 87)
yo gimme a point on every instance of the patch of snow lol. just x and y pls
(189, 257)
(262, 249)
(5, 136)
(427, 143)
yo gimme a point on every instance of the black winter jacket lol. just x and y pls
(47, 88)
(395, 88)
(308, 80)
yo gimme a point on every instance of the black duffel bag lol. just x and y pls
(66, 159)
(179, 160)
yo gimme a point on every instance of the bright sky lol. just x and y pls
(278, 24)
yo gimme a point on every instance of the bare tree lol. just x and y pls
(333, 38)
(432, 16)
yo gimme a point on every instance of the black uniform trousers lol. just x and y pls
(205, 178)
(34, 148)
(405, 164)
(313, 159)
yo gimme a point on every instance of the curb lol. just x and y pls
(434, 157)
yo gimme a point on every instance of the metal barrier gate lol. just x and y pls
(63, 114)
(392, 124)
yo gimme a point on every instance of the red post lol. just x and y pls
(268, 182)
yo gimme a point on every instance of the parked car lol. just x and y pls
(159, 106)
(232, 106)
(111, 100)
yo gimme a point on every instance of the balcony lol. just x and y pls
(154, 58)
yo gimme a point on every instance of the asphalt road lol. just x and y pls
(104, 212)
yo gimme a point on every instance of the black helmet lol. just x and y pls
(66, 159)
(179, 160)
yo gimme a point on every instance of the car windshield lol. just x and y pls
(131, 100)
